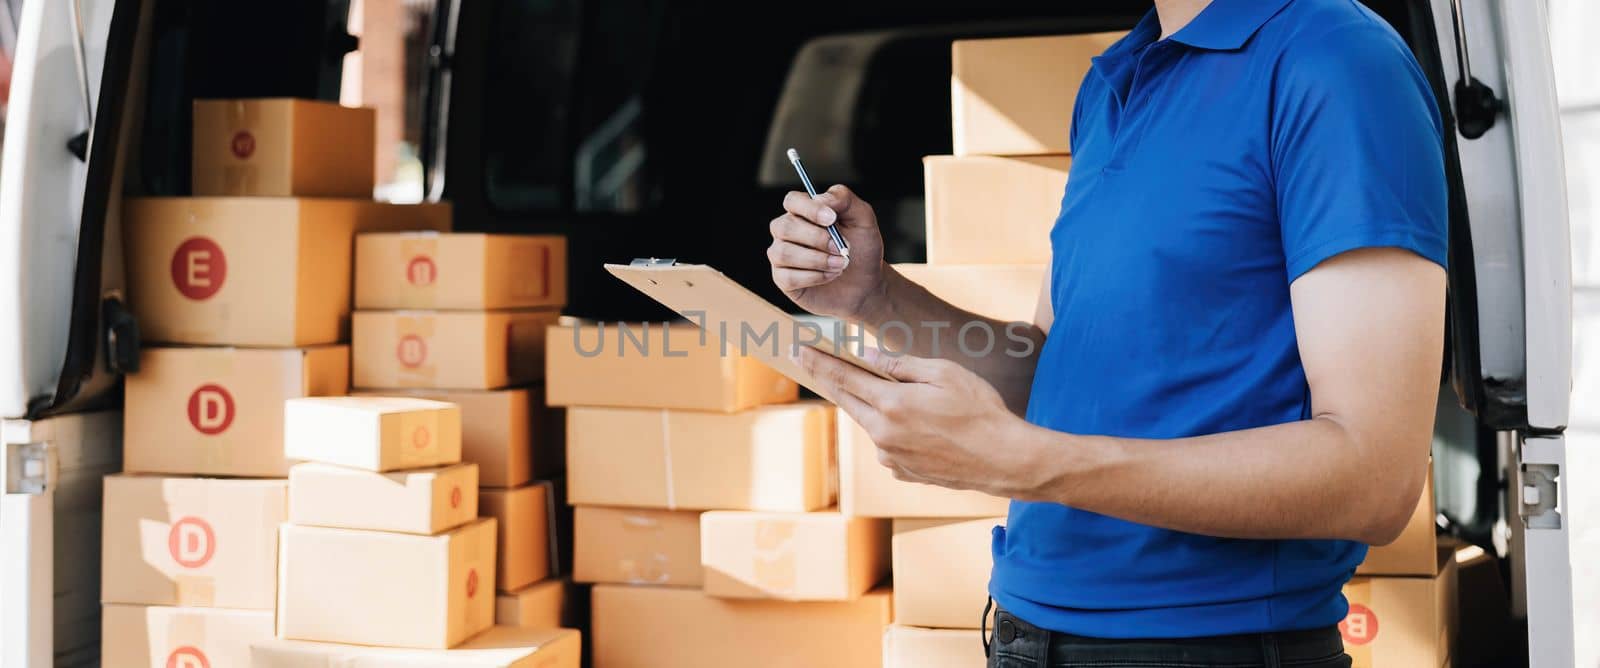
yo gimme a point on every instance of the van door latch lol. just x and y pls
(1539, 496)
(27, 468)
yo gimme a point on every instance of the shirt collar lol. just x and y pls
(1225, 25)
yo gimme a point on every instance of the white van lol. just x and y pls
(613, 123)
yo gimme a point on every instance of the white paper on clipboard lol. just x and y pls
(717, 303)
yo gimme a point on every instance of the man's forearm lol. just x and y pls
(1306, 479)
(909, 319)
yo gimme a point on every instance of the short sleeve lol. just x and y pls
(1357, 149)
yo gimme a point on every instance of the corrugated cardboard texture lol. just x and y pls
(792, 556)
(688, 629)
(541, 605)
(524, 544)
(383, 588)
(941, 571)
(671, 367)
(469, 350)
(868, 489)
(778, 458)
(372, 433)
(1005, 292)
(1402, 621)
(1413, 553)
(509, 434)
(989, 210)
(282, 147)
(498, 647)
(912, 647)
(191, 541)
(219, 411)
(421, 501)
(159, 636)
(421, 270)
(1014, 96)
(636, 546)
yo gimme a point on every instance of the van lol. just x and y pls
(650, 128)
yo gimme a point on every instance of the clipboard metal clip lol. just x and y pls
(653, 262)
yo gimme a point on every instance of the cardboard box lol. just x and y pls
(379, 217)
(1005, 292)
(792, 556)
(385, 588)
(542, 605)
(509, 433)
(219, 411)
(466, 350)
(424, 270)
(198, 542)
(1402, 621)
(688, 629)
(283, 147)
(636, 546)
(666, 367)
(941, 571)
(989, 210)
(523, 548)
(168, 637)
(913, 647)
(868, 489)
(1014, 96)
(371, 432)
(421, 501)
(1486, 629)
(1415, 551)
(498, 647)
(777, 458)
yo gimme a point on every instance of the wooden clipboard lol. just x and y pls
(709, 299)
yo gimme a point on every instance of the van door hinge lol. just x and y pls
(28, 468)
(1541, 489)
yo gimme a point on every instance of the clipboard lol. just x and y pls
(693, 290)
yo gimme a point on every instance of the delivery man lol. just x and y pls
(1238, 344)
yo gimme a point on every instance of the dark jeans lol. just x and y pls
(1017, 644)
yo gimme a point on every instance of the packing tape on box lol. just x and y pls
(666, 457)
(190, 542)
(773, 564)
(185, 642)
(646, 565)
(241, 174)
(413, 249)
(1360, 626)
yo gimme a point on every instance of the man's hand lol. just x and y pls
(811, 271)
(940, 425)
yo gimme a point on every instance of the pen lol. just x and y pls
(838, 240)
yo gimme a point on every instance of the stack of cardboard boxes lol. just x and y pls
(704, 494)
(244, 290)
(462, 318)
(1403, 598)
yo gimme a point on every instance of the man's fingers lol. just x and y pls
(841, 199)
(842, 377)
(906, 367)
(795, 256)
(799, 231)
(814, 210)
(796, 279)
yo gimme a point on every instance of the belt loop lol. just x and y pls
(983, 625)
(1269, 651)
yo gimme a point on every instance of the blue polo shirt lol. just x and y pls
(1210, 170)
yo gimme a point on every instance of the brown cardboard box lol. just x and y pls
(219, 411)
(425, 270)
(372, 433)
(669, 367)
(989, 210)
(509, 434)
(421, 501)
(1486, 630)
(523, 550)
(1402, 621)
(776, 458)
(636, 546)
(385, 588)
(913, 647)
(191, 541)
(1414, 552)
(868, 489)
(792, 556)
(168, 637)
(1014, 96)
(1005, 292)
(377, 217)
(688, 629)
(498, 647)
(468, 350)
(941, 571)
(283, 147)
(541, 605)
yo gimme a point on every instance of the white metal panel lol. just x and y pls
(26, 638)
(1546, 569)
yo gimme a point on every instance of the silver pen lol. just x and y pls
(838, 239)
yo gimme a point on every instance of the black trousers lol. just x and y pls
(1015, 643)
